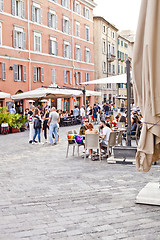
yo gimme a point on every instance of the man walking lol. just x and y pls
(82, 114)
(53, 125)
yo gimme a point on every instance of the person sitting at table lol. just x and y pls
(134, 121)
(105, 135)
(91, 130)
(84, 127)
(108, 121)
(123, 119)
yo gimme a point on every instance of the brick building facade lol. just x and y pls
(46, 42)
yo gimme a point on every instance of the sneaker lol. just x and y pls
(41, 143)
(55, 143)
(35, 142)
(89, 156)
(30, 141)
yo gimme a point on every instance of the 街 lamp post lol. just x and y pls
(128, 104)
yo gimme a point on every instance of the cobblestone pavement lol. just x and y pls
(45, 196)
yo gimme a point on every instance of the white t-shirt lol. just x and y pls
(82, 112)
(106, 132)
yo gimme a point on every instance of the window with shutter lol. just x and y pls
(23, 10)
(70, 74)
(3, 71)
(49, 19)
(1, 5)
(53, 75)
(0, 33)
(33, 13)
(34, 74)
(80, 77)
(42, 74)
(24, 41)
(24, 73)
(15, 72)
(65, 77)
(13, 7)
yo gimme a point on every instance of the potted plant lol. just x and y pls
(15, 123)
(5, 120)
(23, 121)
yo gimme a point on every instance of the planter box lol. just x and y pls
(15, 130)
(124, 152)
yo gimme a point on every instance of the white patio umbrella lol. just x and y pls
(146, 72)
(146, 83)
(46, 93)
(4, 95)
(122, 78)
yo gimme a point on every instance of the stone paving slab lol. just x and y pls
(44, 195)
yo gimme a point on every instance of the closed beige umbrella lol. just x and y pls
(146, 82)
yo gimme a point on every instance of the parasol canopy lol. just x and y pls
(122, 78)
(146, 82)
(49, 93)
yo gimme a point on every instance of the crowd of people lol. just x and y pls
(47, 121)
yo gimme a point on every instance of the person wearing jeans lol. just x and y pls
(37, 131)
(53, 125)
(53, 128)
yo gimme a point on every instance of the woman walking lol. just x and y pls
(45, 122)
(37, 126)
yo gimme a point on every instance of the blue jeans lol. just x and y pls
(53, 128)
(81, 120)
(37, 131)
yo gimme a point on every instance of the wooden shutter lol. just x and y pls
(63, 25)
(69, 51)
(49, 19)
(34, 74)
(33, 13)
(53, 75)
(70, 75)
(85, 55)
(90, 56)
(75, 6)
(75, 53)
(62, 2)
(64, 55)
(1, 5)
(40, 16)
(56, 22)
(14, 38)
(23, 9)
(50, 46)
(85, 77)
(3, 71)
(68, 4)
(77, 78)
(80, 54)
(80, 77)
(65, 77)
(13, 7)
(42, 74)
(56, 48)
(24, 73)
(24, 40)
(15, 72)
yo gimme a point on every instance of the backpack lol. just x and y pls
(37, 123)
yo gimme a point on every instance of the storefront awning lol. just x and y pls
(4, 95)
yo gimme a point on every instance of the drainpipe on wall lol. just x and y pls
(29, 72)
(73, 78)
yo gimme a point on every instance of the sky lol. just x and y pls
(123, 14)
